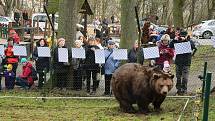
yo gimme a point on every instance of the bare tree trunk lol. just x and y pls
(104, 8)
(128, 23)
(165, 12)
(143, 8)
(8, 7)
(67, 29)
(178, 13)
(211, 10)
(192, 11)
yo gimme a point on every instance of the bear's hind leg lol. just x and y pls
(126, 107)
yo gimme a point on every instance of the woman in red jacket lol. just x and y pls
(166, 53)
(10, 58)
(25, 79)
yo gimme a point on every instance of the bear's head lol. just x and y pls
(160, 81)
(163, 83)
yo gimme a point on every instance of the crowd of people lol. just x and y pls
(86, 70)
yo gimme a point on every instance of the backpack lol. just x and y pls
(34, 74)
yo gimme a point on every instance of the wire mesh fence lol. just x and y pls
(87, 81)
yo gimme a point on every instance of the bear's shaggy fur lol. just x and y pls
(133, 83)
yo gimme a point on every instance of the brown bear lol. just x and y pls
(134, 83)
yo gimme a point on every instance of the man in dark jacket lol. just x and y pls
(90, 65)
(182, 62)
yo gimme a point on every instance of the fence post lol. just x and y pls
(207, 95)
(204, 78)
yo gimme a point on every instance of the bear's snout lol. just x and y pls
(164, 93)
(164, 90)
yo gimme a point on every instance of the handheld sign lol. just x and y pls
(99, 56)
(44, 52)
(1, 50)
(63, 55)
(78, 53)
(120, 54)
(151, 52)
(181, 48)
(20, 50)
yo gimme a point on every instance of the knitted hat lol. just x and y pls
(60, 39)
(111, 42)
(9, 67)
(78, 42)
(23, 60)
(165, 37)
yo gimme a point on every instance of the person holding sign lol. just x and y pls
(90, 66)
(61, 68)
(110, 65)
(133, 54)
(182, 62)
(10, 57)
(42, 63)
(77, 68)
(166, 53)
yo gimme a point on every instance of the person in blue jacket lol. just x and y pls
(110, 65)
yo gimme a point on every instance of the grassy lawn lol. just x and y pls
(90, 110)
(84, 110)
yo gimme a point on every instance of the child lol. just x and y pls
(9, 77)
(1, 70)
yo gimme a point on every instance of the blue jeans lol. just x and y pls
(22, 82)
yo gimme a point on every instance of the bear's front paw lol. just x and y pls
(158, 110)
(144, 111)
(128, 110)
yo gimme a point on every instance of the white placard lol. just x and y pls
(44, 52)
(1, 50)
(181, 48)
(213, 40)
(78, 53)
(20, 50)
(151, 52)
(120, 54)
(63, 55)
(99, 56)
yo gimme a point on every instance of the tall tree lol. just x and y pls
(67, 27)
(178, 13)
(193, 2)
(8, 6)
(211, 9)
(128, 23)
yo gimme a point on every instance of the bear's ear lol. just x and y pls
(156, 76)
(152, 69)
(155, 68)
(172, 76)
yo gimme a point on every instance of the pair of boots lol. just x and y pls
(181, 88)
